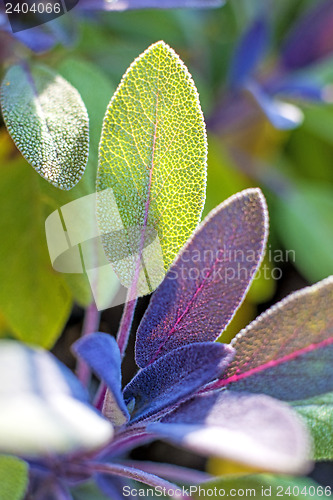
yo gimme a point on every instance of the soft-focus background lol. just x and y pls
(264, 72)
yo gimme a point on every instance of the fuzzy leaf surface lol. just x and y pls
(208, 281)
(100, 351)
(287, 352)
(175, 376)
(252, 429)
(48, 122)
(153, 157)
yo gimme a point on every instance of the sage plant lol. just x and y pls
(253, 401)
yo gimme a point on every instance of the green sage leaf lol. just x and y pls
(48, 122)
(153, 157)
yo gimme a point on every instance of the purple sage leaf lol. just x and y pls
(247, 428)
(249, 52)
(176, 376)
(287, 352)
(207, 283)
(100, 351)
(311, 38)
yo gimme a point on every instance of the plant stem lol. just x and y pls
(90, 325)
(100, 396)
(170, 472)
(138, 475)
(126, 322)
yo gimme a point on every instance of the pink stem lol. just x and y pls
(100, 396)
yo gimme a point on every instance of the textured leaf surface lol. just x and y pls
(304, 220)
(100, 351)
(13, 478)
(208, 281)
(48, 122)
(44, 407)
(148, 4)
(251, 429)
(263, 486)
(318, 415)
(249, 52)
(153, 156)
(175, 376)
(34, 300)
(287, 352)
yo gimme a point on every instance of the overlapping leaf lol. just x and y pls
(207, 282)
(288, 351)
(48, 122)
(247, 428)
(153, 159)
(102, 354)
(175, 376)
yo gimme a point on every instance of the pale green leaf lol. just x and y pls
(13, 478)
(318, 415)
(48, 122)
(153, 157)
(34, 299)
(263, 486)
